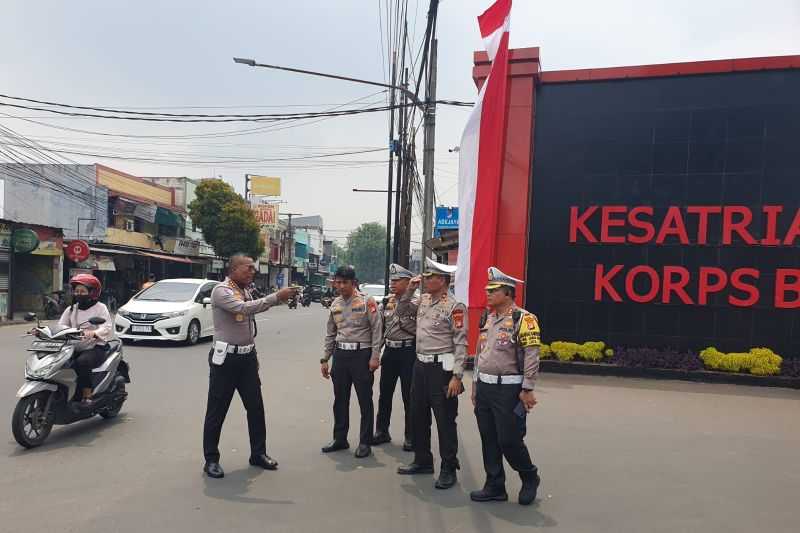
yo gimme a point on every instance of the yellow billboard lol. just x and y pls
(264, 185)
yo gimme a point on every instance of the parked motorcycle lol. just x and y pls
(306, 298)
(292, 302)
(50, 396)
(326, 301)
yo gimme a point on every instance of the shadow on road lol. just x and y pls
(347, 462)
(78, 434)
(235, 486)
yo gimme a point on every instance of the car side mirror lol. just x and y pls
(30, 317)
(97, 321)
(206, 302)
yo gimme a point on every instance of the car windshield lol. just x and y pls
(168, 291)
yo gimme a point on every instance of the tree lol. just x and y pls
(366, 251)
(341, 254)
(227, 222)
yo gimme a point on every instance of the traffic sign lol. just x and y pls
(78, 251)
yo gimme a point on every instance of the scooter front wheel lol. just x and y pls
(30, 423)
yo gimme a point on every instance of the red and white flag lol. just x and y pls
(481, 163)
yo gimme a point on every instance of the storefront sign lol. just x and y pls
(446, 218)
(182, 246)
(266, 214)
(78, 251)
(24, 241)
(688, 227)
(52, 247)
(217, 265)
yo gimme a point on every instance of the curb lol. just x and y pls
(704, 376)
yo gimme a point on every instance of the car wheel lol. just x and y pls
(193, 333)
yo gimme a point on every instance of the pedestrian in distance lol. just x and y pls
(353, 339)
(502, 392)
(399, 333)
(441, 350)
(233, 363)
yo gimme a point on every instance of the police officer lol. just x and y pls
(234, 365)
(354, 340)
(502, 393)
(399, 333)
(441, 349)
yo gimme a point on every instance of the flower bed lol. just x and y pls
(756, 362)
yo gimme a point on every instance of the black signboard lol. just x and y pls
(666, 211)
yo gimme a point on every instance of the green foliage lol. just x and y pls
(366, 251)
(609, 352)
(758, 361)
(545, 352)
(588, 351)
(227, 222)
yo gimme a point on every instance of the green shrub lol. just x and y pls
(545, 352)
(758, 361)
(588, 351)
(609, 352)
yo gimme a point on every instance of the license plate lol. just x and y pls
(45, 346)
(142, 329)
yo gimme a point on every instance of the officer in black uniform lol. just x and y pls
(399, 332)
(234, 365)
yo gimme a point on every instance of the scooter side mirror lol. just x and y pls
(30, 317)
(97, 321)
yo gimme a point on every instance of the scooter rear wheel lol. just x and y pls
(116, 407)
(29, 423)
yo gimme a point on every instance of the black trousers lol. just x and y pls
(237, 373)
(85, 362)
(502, 432)
(429, 393)
(396, 363)
(351, 369)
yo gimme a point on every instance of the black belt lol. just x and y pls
(406, 343)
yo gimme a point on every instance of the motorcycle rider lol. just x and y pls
(86, 291)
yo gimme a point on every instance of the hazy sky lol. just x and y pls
(178, 53)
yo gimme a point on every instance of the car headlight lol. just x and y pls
(37, 371)
(123, 312)
(174, 314)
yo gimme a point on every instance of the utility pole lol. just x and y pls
(430, 144)
(392, 100)
(401, 185)
(291, 245)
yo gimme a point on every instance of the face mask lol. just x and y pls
(82, 298)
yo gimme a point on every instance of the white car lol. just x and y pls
(170, 310)
(376, 291)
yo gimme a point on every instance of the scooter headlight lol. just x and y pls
(41, 368)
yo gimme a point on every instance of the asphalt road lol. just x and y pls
(616, 455)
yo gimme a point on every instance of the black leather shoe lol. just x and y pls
(530, 484)
(381, 437)
(414, 468)
(335, 446)
(214, 470)
(408, 446)
(447, 478)
(488, 495)
(264, 461)
(363, 451)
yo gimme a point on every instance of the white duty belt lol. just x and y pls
(400, 344)
(444, 358)
(491, 379)
(352, 346)
(241, 350)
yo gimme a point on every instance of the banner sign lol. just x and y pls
(264, 185)
(446, 218)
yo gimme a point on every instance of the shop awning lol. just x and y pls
(165, 217)
(163, 257)
(109, 251)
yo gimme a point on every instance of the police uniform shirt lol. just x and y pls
(442, 328)
(354, 320)
(233, 310)
(400, 317)
(500, 348)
